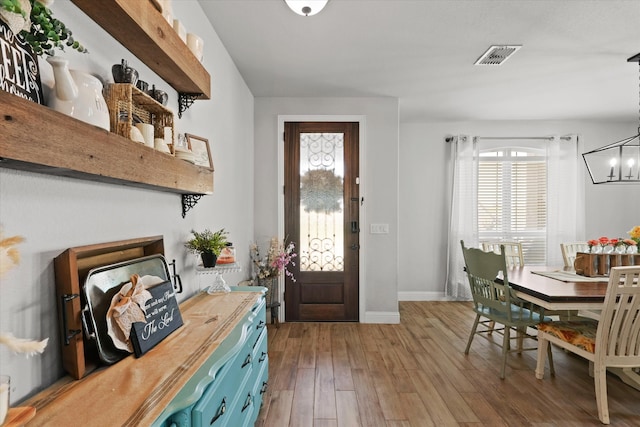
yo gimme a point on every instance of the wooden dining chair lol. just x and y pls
(612, 341)
(569, 251)
(513, 256)
(513, 252)
(495, 301)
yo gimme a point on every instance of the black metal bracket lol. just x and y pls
(185, 100)
(189, 201)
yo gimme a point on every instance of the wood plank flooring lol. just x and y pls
(415, 374)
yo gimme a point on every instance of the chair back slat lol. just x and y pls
(513, 254)
(618, 333)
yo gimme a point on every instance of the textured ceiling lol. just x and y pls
(573, 63)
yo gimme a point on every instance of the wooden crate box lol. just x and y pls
(129, 105)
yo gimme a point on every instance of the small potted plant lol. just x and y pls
(208, 244)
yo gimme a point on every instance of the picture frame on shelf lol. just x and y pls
(201, 150)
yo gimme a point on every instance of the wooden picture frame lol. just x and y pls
(199, 146)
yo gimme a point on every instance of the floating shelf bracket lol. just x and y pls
(189, 201)
(185, 100)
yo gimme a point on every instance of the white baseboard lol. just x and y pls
(387, 317)
(423, 296)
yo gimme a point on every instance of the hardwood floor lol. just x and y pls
(416, 374)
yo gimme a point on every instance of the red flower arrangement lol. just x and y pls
(620, 244)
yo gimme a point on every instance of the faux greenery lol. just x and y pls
(207, 241)
(46, 33)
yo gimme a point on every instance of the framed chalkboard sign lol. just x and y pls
(19, 72)
(162, 318)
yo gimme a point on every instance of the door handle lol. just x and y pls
(354, 227)
(355, 246)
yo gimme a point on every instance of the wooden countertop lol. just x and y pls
(134, 391)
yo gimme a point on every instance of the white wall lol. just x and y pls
(55, 213)
(379, 186)
(611, 210)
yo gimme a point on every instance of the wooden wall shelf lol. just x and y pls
(141, 28)
(38, 139)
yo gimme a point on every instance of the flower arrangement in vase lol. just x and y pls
(605, 245)
(275, 262)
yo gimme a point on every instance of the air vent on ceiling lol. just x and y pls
(497, 55)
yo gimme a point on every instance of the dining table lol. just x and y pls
(560, 289)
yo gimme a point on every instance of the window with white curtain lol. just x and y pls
(526, 189)
(512, 199)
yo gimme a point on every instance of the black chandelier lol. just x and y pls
(618, 162)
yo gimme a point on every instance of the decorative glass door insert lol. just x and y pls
(321, 202)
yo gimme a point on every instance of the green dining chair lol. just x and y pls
(494, 300)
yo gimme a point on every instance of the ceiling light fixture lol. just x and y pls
(618, 162)
(306, 7)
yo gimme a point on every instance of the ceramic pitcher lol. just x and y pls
(77, 94)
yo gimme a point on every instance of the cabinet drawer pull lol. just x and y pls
(221, 410)
(263, 356)
(265, 385)
(247, 402)
(260, 325)
(247, 361)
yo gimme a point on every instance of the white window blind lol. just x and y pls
(512, 199)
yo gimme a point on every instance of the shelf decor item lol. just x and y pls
(208, 244)
(33, 21)
(77, 94)
(19, 72)
(201, 151)
(129, 106)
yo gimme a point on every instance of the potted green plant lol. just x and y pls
(35, 22)
(208, 244)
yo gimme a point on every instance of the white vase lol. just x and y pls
(78, 94)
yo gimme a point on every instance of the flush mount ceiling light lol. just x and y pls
(306, 7)
(497, 54)
(618, 162)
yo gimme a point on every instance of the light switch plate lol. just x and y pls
(379, 229)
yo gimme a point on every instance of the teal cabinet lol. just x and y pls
(227, 389)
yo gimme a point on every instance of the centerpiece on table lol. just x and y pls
(208, 245)
(606, 245)
(604, 253)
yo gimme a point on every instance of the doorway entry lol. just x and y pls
(321, 216)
